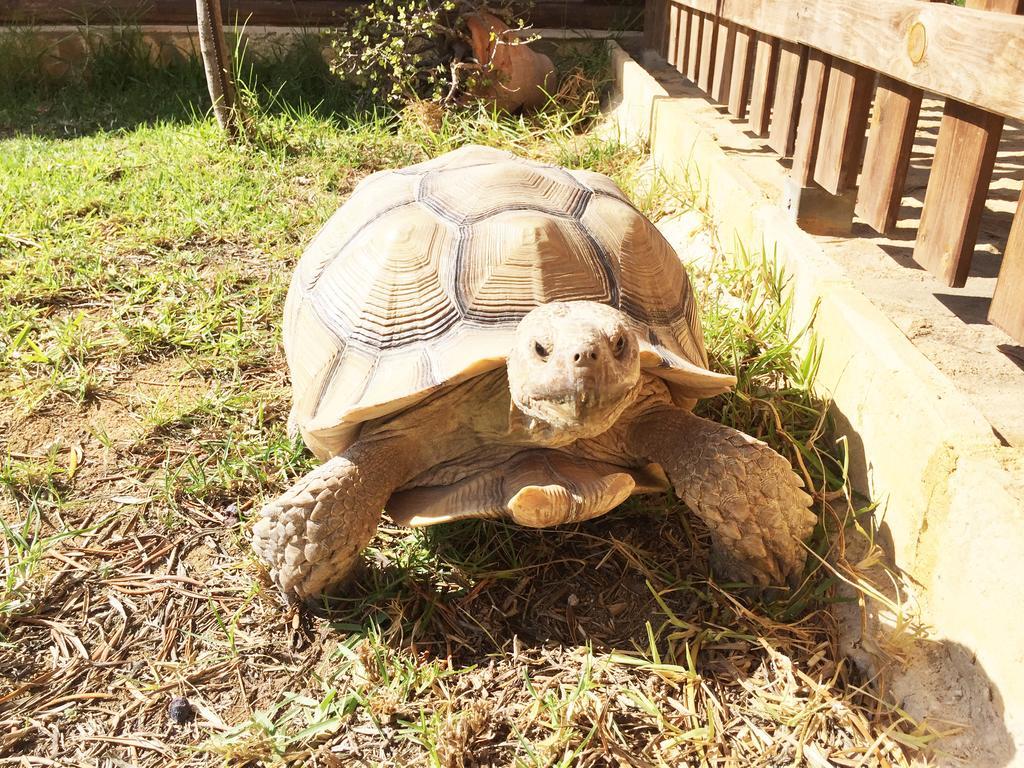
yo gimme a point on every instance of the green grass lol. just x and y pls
(143, 400)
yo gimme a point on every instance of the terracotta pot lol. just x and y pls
(517, 76)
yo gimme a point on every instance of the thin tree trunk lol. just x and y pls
(217, 62)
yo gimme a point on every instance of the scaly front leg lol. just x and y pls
(746, 493)
(312, 534)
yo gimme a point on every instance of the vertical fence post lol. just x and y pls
(693, 46)
(742, 72)
(707, 53)
(686, 18)
(812, 109)
(724, 55)
(789, 81)
(1007, 310)
(846, 105)
(887, 157)
(674, 12)
(965, 154)
(814, 209)
(762, 88)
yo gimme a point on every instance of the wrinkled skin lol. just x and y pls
(575, 368)
(572, 428)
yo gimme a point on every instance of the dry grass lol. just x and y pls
(143, 421)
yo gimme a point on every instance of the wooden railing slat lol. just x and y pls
(965, 154)
(887, 156)
(788, 87)
(693, 51)
(812, 109)
(842, 135)
(683, 36)
(1007, 310)
(650, 23)
(742, 71)
(674, 12)
(663, 8)
(723, 62)
(957, 187)
(762, 87)
(707, 54)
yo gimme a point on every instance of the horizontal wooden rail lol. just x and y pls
(934, 47)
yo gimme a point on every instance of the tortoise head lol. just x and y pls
(574, 367)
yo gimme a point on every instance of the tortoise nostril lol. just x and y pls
(593, 355)
(577, 357)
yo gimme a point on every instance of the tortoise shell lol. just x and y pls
(418, 282)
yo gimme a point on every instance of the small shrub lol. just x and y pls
(404, 50)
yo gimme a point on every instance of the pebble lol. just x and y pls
(181, 711)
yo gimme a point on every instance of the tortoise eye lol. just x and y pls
(619, 345)
(541, 350)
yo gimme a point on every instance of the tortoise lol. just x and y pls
(481, 335)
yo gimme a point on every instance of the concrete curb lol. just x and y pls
(949, 494)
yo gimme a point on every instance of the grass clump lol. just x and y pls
(143, 265)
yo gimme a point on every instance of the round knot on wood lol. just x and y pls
(917, 42)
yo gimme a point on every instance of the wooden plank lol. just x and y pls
(1007, 310)
(674, 12)
(965, 155)
(723, 62)
(812, 109)
(661, 30)
(762, 87)
(707, 54)
(970, 55)
(957, 186)
(742, 72)
(686, 18)
(693, 49)
(846, 108)
(788, 87)
(650, 23)
(683, 35)
(887, 157)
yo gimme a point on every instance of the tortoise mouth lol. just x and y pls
(576, 413)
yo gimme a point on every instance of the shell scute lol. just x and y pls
(516, 260)
(386, 290)
(467, 195)
(372, 197)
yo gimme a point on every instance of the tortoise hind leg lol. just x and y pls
(746, 493)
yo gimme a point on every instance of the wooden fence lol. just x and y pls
(805, 74)
(592, 14)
